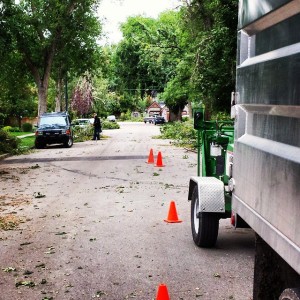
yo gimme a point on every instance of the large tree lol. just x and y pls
(77, 52)
(17, 89)
(211, 32)
(40, 31)
(147, 57)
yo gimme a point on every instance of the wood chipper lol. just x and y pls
(209, 192)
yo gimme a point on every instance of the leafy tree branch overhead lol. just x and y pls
(183, 56)
(43, 33)
(212, 29)
(190, 53)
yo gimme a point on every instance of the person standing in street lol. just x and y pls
(97, 127)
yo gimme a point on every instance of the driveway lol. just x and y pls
(91, 225)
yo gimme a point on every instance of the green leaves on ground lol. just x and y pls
(9, 269)
(181, 133)
(25, 283)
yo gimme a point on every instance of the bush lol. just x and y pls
(11, 129)
(137, 119)
(83, 134)
(221, 116)
(7, 128)
(124, 117)
(8, 143)
(110, 125)
(182, 133)
(27, 127)
(15, 129)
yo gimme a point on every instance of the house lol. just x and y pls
(166, 113)
(153, 109)
(162, 110)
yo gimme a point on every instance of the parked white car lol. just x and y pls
(82, 123)
(111, 118)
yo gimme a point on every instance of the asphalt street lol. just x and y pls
(91, 225)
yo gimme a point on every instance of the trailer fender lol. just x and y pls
(210, 193)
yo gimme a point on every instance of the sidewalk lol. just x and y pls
(25, 135)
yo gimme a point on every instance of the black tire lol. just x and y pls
(69, 143)
(205, 226)
(39, 145)
(290, 294)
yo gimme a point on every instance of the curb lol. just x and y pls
(3, 156)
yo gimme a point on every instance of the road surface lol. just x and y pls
(92, 225)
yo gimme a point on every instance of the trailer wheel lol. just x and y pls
(205, 226)
(290, 294)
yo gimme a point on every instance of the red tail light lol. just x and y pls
(68, 132)
(232, 218)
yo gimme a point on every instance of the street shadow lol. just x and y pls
(74, 158)
(236, 239)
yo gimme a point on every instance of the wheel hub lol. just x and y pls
(196, 216)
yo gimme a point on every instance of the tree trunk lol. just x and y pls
(190, 109)
(41, 80)
(42, 96)
(59, 95)
(175, 115)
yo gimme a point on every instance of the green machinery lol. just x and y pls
(209, 192)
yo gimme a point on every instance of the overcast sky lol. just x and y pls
(114, 12)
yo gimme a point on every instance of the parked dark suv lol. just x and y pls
(159, 120)
(54, 128)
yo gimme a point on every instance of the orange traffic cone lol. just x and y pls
(172, 216)
(162, 293)
(150, 157)
(159, 162)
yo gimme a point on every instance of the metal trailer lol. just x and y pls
(266, 169)
(209, 192)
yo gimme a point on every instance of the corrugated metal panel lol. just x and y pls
(267, 147)
(252, 10)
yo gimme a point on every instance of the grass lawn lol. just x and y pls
(27, 142)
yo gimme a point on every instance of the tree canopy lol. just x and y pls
(183, 56)
(212, 27)
(51, 33)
